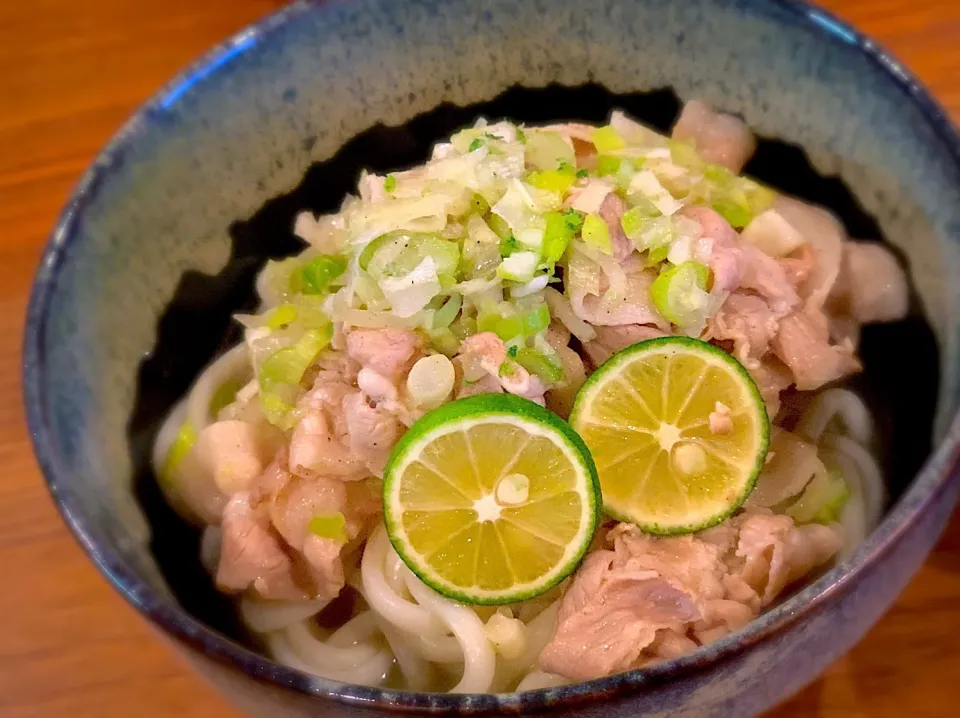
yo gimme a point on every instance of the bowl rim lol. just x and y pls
(932, 481)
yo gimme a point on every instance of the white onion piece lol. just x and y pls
(560, 309)
(772, 234)
(430, 381)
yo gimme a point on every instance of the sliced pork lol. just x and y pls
(719, 138)
(803, 344)
(652, 598)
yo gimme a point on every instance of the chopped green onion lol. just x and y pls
(316, 276)
(519, 266)
(657, 255)
(684, 154)
(625, 174)
(606, 139)
(557, 181)
(596, 233)
(737, 199)
(742, 201)
(288, 365)
(281, 316)
(508, 246)
(758, 198)
(659, 232)
(478, 205)
(398, 253)
(507, 368)
(499, 226)
(559, 232)
(822, 501)
(374, 246)
(581, 174)
(367, 292)
(278, 276)
(547, 151)
(277, 411)
(445, 315)
(546, 367)
(535, 320)
(464, 327)
(480, 252)
(488, 321)
(531, 238)
(281, 372)
(512, 351)
(310, 314)
(607, 165)
(475, 145)
(679, 293)
(719, 175)
(736, 215)
(390, 183)
(445, 253)
(225, 395)
(331, 526)
(521, 325)
(444, 341)
(186, 438)
(636, 219)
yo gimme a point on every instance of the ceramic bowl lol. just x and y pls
(162, 238)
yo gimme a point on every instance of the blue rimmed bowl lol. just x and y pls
(162, 238)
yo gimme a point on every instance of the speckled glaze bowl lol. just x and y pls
(162, 237)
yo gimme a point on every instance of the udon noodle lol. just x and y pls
(400, 632)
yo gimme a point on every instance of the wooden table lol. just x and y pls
(70, 72)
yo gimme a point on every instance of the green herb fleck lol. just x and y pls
(475, 145)
(583, 173)
(508, 246)
(512, 351)
(574, 220)
(390, 183)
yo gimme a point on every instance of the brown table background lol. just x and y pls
(70, 72)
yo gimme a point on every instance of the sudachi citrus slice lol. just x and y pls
(646, 417)
(491, 499)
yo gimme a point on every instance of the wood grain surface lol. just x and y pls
(70, 72)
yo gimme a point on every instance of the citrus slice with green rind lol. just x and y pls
(646, 417)
(491, 499)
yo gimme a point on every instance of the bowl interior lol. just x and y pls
(196, 325)
(165, 235)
